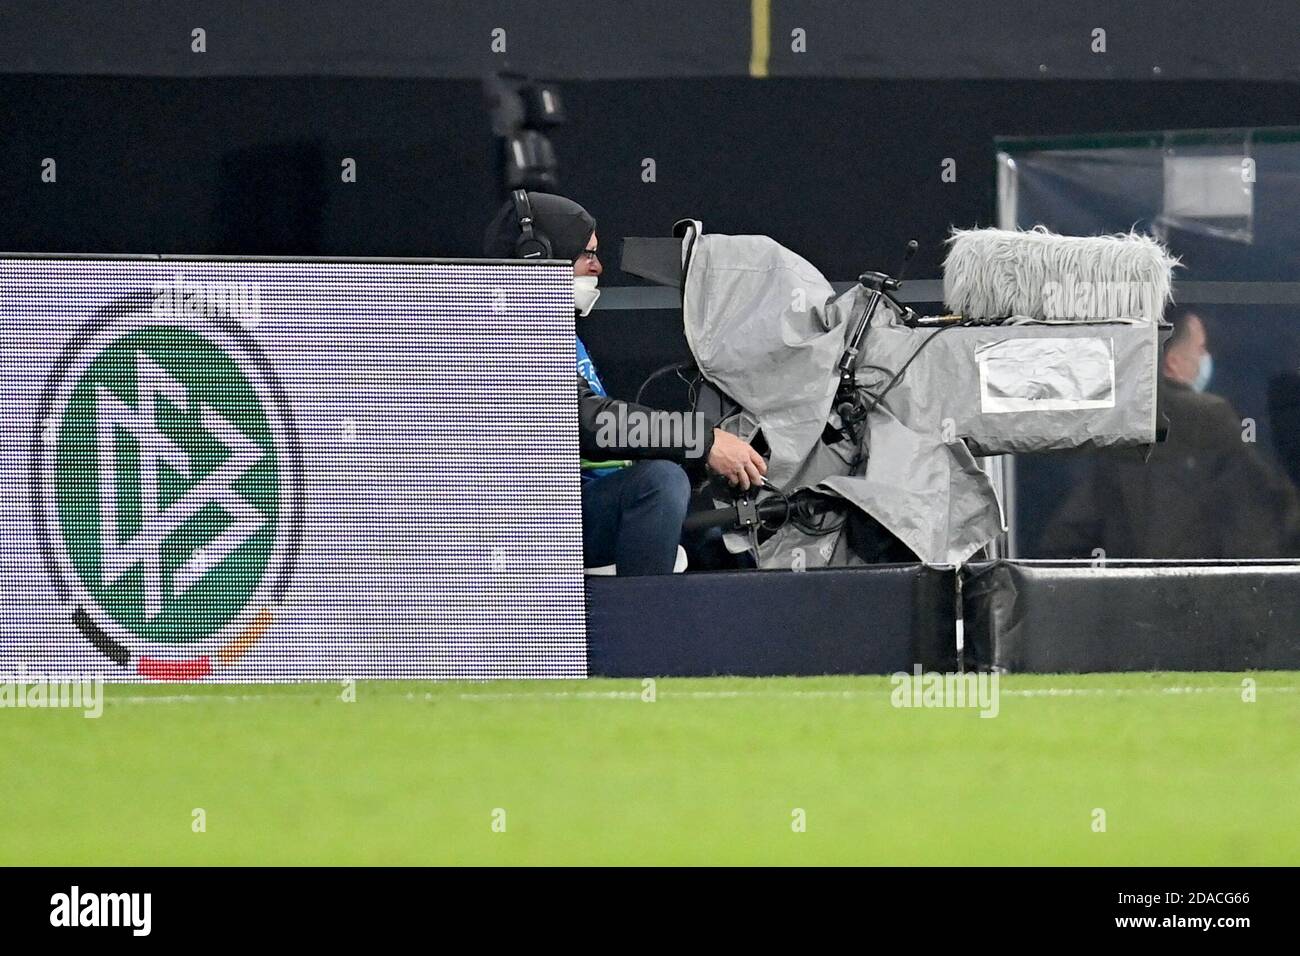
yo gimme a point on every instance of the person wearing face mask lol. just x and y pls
(1187, 361)
(634, 497)
(1204, 492)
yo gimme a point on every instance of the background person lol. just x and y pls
(1205, 492)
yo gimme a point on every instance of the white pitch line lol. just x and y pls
(192, 698)
(715, 694)
(851, 694)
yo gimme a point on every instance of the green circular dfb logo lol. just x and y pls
(168, 483)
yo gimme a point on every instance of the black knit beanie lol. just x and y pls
(566, 224)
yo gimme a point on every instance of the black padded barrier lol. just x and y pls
(1077, 617)
(1018, 616)
(767, 623)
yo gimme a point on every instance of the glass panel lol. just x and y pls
(1224, 482)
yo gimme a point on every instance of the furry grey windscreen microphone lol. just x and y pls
(1035, 273)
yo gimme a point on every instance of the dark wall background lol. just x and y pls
(621, 39)
(842, 171)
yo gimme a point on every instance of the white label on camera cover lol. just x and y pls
(1046, 374)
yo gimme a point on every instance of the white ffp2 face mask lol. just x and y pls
(1204, 372)
(585, 294)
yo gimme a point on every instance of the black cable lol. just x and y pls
(910, 359)
(785, 500)
(817, 529)
(674, 367)
(692, 385)
(792, 516)
(792, 513)
(877, 398)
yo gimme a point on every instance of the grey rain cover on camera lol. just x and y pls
(766, 327)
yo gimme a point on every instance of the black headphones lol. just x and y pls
(531, 244)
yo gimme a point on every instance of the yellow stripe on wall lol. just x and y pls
(760, 36)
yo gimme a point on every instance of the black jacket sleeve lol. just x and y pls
(610, 429)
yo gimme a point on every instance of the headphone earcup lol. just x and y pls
(531, 243)
(532, 247)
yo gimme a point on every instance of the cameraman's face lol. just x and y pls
(587, 263)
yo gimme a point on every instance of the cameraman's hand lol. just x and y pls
(736, 460)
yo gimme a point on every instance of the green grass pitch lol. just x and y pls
(711, 772)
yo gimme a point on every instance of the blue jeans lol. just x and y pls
(633, 517)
